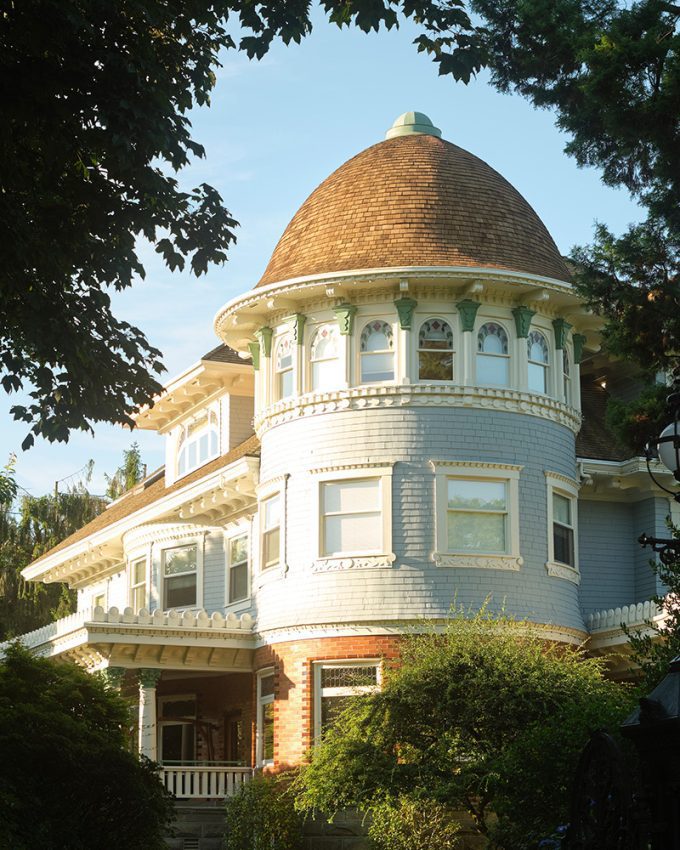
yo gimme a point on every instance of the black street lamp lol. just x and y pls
(668, 452)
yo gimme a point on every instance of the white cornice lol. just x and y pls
(399, 396)
(66, 563)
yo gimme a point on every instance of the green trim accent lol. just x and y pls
(579, 341)
(264, 336)
(344, 315)
(523, 316)
(405, 307)
(113, 676)
(148, 677)
(467, 309)
(255, 354)
(299, 320)
(562, 328)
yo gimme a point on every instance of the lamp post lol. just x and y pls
(668, 452)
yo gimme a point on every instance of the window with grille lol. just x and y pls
(270, 547)
(336, 682)
(537, 352)
(377, 352)
(284, 367)
(138, 599)
(199, 442)
(435, 351)
(325, 359)
(265, 718)
(493, 359)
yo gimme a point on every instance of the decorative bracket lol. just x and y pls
(523, 316)
(264, 336)
(467, 308)
(299, 320)
(405, 308)
(344, 314)
(579, 341)
(562, 328)
(255, 354)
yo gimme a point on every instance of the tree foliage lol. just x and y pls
(32, 525)
(129, 473)
(262, 816)
(486, 718)
(68, 780)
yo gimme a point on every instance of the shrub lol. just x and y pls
(262, 817)
(412, 823)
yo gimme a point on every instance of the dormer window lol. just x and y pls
(537, 351)
(198, 443)
(377, 353)
(284, 367)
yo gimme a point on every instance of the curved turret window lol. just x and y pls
(377, 352)
(566, 377)
(284, 367)
(324, 355)
(493, 360)
(435, 351)
(198, 443)
(537, 351)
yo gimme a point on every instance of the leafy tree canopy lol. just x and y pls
(95, 123)
(485, 718)
(131, 471)
(66, 727)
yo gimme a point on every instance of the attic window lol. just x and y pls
(198, 443)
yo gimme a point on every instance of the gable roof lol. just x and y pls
(141, 496)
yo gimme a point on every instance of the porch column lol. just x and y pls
(114, 676)
(148, 735)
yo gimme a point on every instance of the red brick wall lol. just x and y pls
(293, 682)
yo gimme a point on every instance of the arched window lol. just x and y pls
(284, 367)
(493, 360)
(198, 443)
(566, 377)
(377, 352)
(435, 351)
(537, 351)
(324, 353)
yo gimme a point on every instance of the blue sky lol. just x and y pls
(274, 131)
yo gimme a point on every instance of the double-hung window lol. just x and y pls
(477, 515)
(325, 358)
(284, 367)
(537, 353)
(435, 351)
(180, 572)
(335, 683)
(264, 743)
(270, 541)
(562, 532)
(493, 358)
(238, 568)
(354, 507)
(138, 597)
(376, 352)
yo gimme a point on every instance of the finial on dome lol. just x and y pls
(411, 124)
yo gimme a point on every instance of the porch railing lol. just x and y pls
(204, 781)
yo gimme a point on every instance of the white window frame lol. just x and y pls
(509, 474)
(213, 410)
(567, 487)
(164, 700)
(546, 366)
(361, 323)
(340, 359)
(277, 374)
(234, 535)
(180, 543)
(99, 590)
(508, 358)
(263, 701)
(265, 491)
(319, 693)
(133, 559)
(383, 557)
(418, 322)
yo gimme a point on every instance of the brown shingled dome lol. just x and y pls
(414, 200)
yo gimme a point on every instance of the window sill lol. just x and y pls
(478, 562)
(352, 562)
(563, 571)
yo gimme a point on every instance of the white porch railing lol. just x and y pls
(205, 782)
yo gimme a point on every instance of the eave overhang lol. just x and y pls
(626, 480)
(237, 321)
(206, 501)
(195, 387)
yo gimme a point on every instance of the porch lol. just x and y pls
(204, 781)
